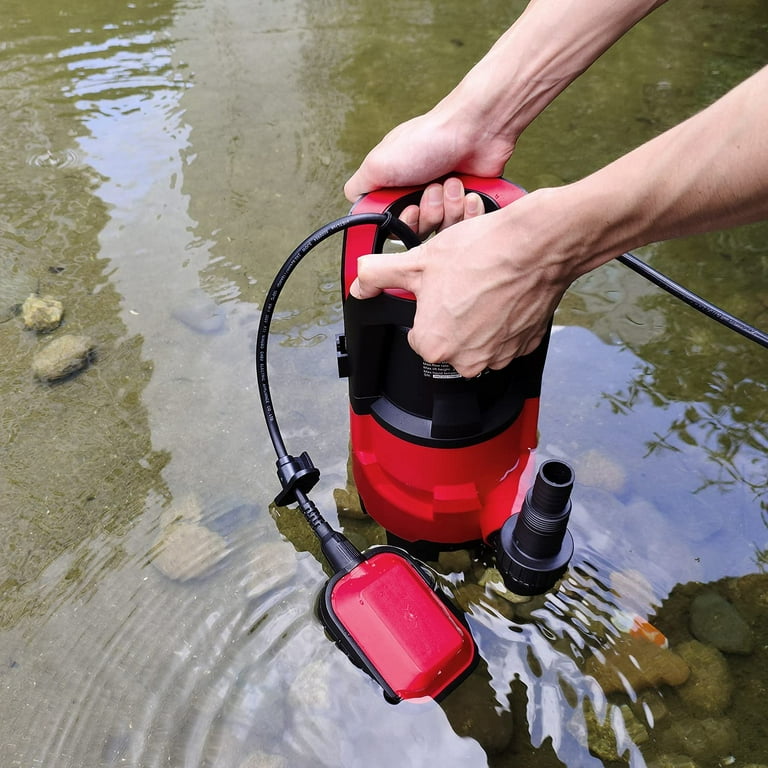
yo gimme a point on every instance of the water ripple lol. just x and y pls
(57, 158)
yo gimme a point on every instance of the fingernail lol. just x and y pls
(473, 203)
(454, 189)
(435, 195)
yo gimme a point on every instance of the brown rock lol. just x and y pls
(706, 739)
(62, 357)
(710, 685)
(186, 551)
(42, 313)
(638, 664)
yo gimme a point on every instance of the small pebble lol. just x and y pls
(42, 313)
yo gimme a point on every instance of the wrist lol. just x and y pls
(570, 230)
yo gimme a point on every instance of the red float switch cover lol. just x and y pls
(387, 615)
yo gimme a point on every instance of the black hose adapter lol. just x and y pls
(534, 547)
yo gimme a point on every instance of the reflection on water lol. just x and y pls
(160, 161)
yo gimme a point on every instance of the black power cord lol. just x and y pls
(693, 300)
(298, 475)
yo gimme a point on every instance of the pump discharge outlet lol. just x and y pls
(534, 547)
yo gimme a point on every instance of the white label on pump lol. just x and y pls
(439, 370)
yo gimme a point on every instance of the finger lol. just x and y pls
(433, 348)
(410, 216)
(501, 361)
(470, 369)
(431, 212)
(473, 205)
(378, 271)
(453, 202)
(515, 348)
(369, 176)
(533, 344)
(356, 186)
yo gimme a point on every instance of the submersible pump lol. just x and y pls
(439, 461)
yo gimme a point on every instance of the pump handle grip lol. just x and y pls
(358, 241)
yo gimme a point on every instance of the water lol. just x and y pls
(160, 161)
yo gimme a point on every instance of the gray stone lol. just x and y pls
(273, 566)
(62, 356)
(716, 622)
(596, 469)
(202, 315)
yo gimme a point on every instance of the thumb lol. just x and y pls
(355, 187)
(378, 271)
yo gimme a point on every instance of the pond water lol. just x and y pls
(161, 158)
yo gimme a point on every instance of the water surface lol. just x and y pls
(161, 158)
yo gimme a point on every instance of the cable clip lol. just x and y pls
(295, 473)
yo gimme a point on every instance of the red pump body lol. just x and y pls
(436, 458)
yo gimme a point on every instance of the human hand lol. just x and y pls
(485, 288)
(442, 205)
(445, 140)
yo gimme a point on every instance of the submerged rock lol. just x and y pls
(673, 761)
(700, 738)
(42, 313)
(273, 565)
(602, 736)
(473, 714)
(600, 471)
(187, 550)
(710, 685)
(455, 561)
(639, 664)
(185, 509)
(348, 504)
(202, 315)
(716, 622)
(62, 356)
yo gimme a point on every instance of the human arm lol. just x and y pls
(486, 287)
(475, 127)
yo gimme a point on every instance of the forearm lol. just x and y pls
(707, 173)
(549, 45)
